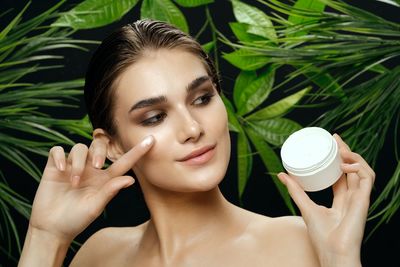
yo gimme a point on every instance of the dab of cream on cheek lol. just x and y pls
(311, 156)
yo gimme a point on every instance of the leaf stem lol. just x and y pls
(214, 38)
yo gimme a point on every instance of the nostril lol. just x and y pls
(192, 131)
(188, 128)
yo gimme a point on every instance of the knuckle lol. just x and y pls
(356, 155)
(77, 167)
(343, 151)
(77, 172)
(94, 213)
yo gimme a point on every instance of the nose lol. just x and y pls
(189, 128)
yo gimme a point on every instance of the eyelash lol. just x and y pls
(206, 98)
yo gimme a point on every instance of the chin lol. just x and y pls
(204, 183)
(206, 177)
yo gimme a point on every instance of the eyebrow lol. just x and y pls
(162, 99)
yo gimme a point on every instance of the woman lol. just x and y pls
(153, 99)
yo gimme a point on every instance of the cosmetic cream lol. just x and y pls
(311, 156)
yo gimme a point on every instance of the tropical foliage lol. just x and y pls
(337, 58)
(26, 48)
(341, 54)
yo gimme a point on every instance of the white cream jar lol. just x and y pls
(311, 156)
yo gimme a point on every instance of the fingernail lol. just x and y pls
(61, 166)
(337, 135)
(97, 162)
(130, 183)
(147, 141)
(281, 177)
(75, 180)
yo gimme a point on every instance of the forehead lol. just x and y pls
(159, 72)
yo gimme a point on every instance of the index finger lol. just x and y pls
(126, 161)
(302, 200)
(352, 156)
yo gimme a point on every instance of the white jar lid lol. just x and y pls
(308, 150)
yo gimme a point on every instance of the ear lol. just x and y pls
(114, 149)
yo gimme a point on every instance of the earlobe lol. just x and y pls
(113, 148)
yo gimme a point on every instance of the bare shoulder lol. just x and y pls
(115, 241)
(285, 240)
(290, 229)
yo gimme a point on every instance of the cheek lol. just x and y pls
(225, 136)
(217, 128)
(159, 153)
(225, 128)
(160, 148)
(218, 124)
(162, 154)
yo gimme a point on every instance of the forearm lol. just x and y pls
(43, 249)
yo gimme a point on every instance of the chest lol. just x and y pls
(231, 255)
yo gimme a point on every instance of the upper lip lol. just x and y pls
(197, 152)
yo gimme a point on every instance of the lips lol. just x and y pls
(199, 156)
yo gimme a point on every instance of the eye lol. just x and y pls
(203, 100)
(158, 118)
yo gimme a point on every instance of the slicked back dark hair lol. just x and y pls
(121, 49)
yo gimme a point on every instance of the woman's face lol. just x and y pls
(168, 94)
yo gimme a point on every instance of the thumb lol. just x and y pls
(302, 200)
(112, 187)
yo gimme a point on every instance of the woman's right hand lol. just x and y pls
(74, 191)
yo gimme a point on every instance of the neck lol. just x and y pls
(182, 220)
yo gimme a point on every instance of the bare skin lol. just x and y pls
(253, 240)
(191, 223)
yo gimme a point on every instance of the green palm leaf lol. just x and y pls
(275, 131)
(193, 3)
(259, 23)
(273, 164)
(25, 48)
(279, 108)
(246, 60)
(94, 13)
(343, 53)
(256, 92)
(164, 10)
(245, 159)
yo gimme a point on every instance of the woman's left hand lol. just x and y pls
(337, 232)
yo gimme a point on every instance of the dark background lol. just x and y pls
(260, 196)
